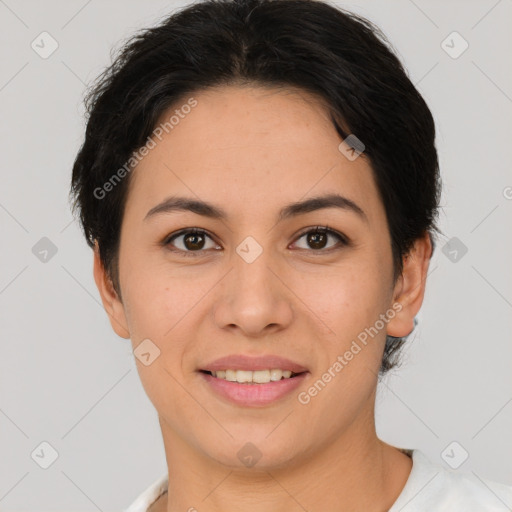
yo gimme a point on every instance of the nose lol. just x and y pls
(254, 298)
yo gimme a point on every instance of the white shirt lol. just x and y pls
(429, 488)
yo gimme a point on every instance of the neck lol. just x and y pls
(352, 471)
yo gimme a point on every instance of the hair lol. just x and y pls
(339, 57)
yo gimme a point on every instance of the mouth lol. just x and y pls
(241, 387)
(252, 381)
(255, 377)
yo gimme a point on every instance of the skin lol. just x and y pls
(252, 150)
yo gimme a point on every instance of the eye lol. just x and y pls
(317, 239)
(193, 240)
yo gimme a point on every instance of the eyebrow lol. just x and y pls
(205, 209)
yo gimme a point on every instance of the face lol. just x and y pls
(258, 281)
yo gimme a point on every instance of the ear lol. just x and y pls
(410, 287)
(111, 302)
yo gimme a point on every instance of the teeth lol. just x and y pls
(230, 375)
(243, 376)
(256, 377)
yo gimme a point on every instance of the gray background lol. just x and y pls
(67, 379)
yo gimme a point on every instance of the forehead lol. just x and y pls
(248, 147)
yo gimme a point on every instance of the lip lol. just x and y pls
(253, 363)
(253, 395)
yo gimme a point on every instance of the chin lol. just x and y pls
(261, 452)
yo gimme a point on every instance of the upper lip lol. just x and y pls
(243, 362)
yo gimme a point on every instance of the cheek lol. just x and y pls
(349, 301)
(347, 298)
(161, 307)
(156, 294)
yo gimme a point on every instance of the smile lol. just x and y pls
(253, 377)
(242, 388)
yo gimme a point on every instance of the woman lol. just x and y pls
(260, 184)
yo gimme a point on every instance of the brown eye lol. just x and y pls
(318, 239)
(195, 240)
(189, 241)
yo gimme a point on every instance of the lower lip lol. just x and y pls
(253, 395)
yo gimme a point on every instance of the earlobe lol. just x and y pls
(410, 287)
(109, 297)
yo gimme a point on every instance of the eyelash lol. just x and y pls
(316, 230)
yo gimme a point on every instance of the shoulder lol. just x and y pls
(432, 487)
(145, 500)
